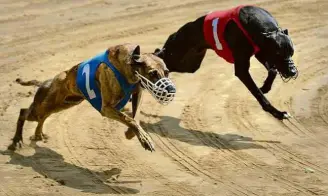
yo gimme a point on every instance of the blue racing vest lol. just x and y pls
(86, 81)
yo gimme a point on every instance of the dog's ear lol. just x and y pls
(136, 55)
(136, 51)
(159, 52)
(285, 31)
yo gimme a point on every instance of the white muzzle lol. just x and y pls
(163, 90)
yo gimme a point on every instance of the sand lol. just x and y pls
(214, 139)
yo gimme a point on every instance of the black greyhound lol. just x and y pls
(243, 31)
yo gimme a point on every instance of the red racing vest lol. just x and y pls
(214, 26)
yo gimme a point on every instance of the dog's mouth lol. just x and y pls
(286, 78)
(289, 72)
(163, 90)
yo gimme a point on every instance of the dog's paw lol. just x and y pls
(17, 142)
(287, 115)
(149, 145)
(45, 136)
(14, 146)
(36, 138)
(129, 134)
(281, 115)
(146, 142)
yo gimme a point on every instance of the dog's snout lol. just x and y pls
(293, 71)
(170, 89)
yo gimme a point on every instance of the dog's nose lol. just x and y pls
(170, 89)
(292, 71)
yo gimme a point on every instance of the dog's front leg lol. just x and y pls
(143, 137)
(242, 72)
(272, 72)
(136, 99)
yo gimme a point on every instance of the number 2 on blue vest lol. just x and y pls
(86, 72)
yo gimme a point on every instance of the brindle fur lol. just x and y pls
(61, 92)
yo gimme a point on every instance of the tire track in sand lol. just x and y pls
(65, 137)
(185, 160)
(278, 150)
(323, 105)
(197, 121)
(243, 121)
(103, 136)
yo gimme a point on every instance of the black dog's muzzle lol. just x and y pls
(291, 71)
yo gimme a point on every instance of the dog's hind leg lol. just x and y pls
(38, 135)
(19, 129)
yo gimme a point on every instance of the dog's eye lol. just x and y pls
(153, 73)
(166, 73)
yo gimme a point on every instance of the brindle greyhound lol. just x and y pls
(236, 35)
(63, 91)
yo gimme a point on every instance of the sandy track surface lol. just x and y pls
(214, 139)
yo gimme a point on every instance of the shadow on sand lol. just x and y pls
(173, 130)
(50, 164)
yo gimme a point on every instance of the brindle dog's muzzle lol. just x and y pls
(163, 90)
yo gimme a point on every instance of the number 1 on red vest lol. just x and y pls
(215, 34)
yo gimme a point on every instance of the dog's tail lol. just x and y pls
(29, 83)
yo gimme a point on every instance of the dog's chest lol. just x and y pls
(87, 83)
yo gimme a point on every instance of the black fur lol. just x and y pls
(185, 49)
